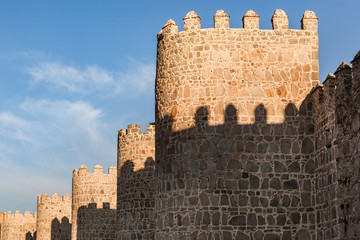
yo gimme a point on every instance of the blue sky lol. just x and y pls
(72, 73)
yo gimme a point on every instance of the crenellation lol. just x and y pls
(136, 146)
(221, 19)
(98, 170)
(92, 188)
(280, 20)
(309, 21)
(18, 226)
(344, 78)
(251, 20)
(192, 21)
(170, 27)
(247, 144)
(53, 217)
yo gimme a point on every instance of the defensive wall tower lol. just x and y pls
(19, 226)
(234, 155)
(53, 217)
(98, 189)
(337, 117)
(136, 154)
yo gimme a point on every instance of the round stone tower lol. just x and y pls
(135, 193)
(231, 148)
(53, 217)
(98, 190)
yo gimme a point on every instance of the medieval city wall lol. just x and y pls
(136, 146)
(19, 226)
(2, 216)
(92, 188)
(136, 190)
(338, 142)
(245, 67)
(96, 222)
(235, 147)
(53, 217)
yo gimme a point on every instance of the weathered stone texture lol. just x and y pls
(17, 226)
(234, 157)
(136, 154)
(2, 216)
(93, 188)
(338, 160)
(53, 217)
(96, 222)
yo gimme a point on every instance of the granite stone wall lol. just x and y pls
(136, 190)
(18, 226)
(93, 188)
(337, 153)
(235, 147)
(2, 216)
(49, 211)
(96, 222)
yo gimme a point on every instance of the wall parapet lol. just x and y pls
(44, 198)
(18, 215)
(97, 170)
(280, 22)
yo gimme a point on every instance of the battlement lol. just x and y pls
(280, 22)
(98, 170)
(343, 81)
(18, 216)
(136, 129)
(44, 199)
(137, 146)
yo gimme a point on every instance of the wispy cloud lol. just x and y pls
(46, 139)
(92, 78)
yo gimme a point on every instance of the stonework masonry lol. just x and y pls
(136, 190)
(233, 155)
(53, 217)
(18, 226)
(98, 189)
(2, 216)
(248, 144)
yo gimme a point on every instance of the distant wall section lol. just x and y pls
(19, 226)
(53, 217)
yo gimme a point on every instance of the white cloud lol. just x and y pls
(45, 141)
(67, 116)
(92, 78)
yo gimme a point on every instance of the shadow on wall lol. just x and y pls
(96, 223)
(30, 236)
(136, 201)
(223, 175)
(61, 230)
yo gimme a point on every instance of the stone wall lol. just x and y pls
(2, 216)
(136, 146)
(338, 159)
(136, 189)
(89, 188)
(234, 156)
(18, 226)
(96, 223)
(53, 212)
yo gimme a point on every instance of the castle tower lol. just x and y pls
(99, 191)
(18, 226)
(135, 194)
(234, 155)
(53, 217)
